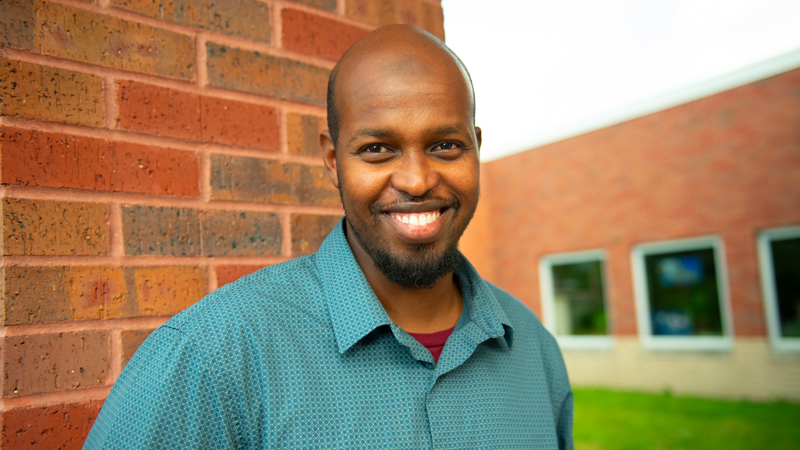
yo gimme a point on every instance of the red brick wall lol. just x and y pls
(726, 165)
(151, 151)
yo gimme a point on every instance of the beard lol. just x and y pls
(421, 271)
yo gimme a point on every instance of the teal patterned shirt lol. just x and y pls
(302, 355)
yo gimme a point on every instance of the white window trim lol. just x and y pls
(768, 288)
(641, 294)
(548, 299)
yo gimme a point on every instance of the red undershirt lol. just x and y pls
(434, 342)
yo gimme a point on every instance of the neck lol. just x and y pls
(415, 310)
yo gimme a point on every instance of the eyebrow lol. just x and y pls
(389, 133)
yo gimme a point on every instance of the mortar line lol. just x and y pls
(77, 326)
(115, 230)
(139, 261)
(115, 356)
(110, 100)
(95, 393)
(286, 233)
(201, 60)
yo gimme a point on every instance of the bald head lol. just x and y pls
(393, 51)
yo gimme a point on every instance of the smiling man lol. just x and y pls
(386, 337)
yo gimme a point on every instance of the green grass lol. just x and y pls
(611, 420)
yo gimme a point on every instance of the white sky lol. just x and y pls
(541, 67)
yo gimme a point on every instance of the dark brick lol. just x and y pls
(330, 5)
(241, 233)
(249, 71)
(45, 227)
(64, 31)
(37, 158)
(308, 232)
(260, 180)
(131, 340)
(238, 123)
(150, 230)
(63, 426)
(316, 35)
(303, 133)
(43, 363)
(247, 19)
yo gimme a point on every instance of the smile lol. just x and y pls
(420, 219)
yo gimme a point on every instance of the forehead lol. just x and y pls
(390, 83)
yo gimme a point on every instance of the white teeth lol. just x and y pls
(418, 220)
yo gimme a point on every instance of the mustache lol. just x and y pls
(407, 199)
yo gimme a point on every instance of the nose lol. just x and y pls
(414, 173)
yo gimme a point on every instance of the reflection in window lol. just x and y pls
(683, 293)
(578, 299)
(786, 266)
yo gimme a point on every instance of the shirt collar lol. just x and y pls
(356, 311)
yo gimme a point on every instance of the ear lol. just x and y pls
(478, 136)
(328, 150)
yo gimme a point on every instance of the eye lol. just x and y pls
(448, 149)
(374, 148)
(376, 152)
(447, 146)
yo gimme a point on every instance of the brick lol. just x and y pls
(150, 230)
(48, 294)
(230, 273)
(44, 227)
(330, 5)
(261, 74)
(40, 92)
(37, 158)
(131, 340)
(166, 290)
(423, 14)
(157, 110)
(237, 123)
(63, 31)
(241, 233)
(303, 133)
(308, 232)
(62, 426)
(316, 35)
(260, 180)
(247, 19)
(43, 363)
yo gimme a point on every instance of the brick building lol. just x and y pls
(662, 251)
(151, 151)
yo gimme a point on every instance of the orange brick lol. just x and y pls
(54, 362)
(303, 133)
(247, 19)
(62, 426)
(156, 110)
(260, 180)
(40, 92)
(248, 71)
(316, 35)
(43, 227)
(37, 158)
(308, 232)
(230, 273)
(48, 294)
(63, 31)
(330, 5)
(131, 340)
(238, 123)
(167, 290)
(241, 233)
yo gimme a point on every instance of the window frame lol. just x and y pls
(768, 288)
(547, 292)
(642, 295)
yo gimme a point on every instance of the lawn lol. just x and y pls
(611, 420)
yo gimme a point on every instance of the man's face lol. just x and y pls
(407, 165)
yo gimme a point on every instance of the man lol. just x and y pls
(386, 337)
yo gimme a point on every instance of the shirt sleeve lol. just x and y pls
(168, 396)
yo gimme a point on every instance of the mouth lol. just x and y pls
(416, 219)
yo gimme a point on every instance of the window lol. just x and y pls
(681, 294)
(573, 299)
(779, 257)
